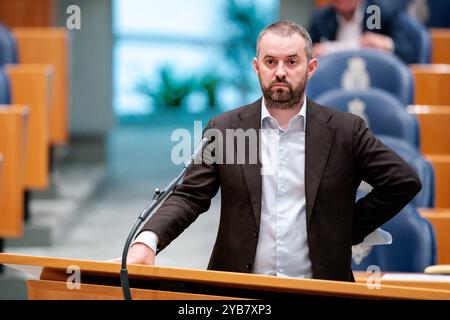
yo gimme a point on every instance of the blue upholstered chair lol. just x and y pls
(383, 113)
(5, 97)
(413, 245)
(8, 48)
(8, 54)
(417, 35)
(362, 69)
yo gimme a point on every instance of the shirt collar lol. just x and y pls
(265, 113)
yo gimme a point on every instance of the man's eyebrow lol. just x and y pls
(294, 55)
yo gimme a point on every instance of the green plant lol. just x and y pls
(209, 84)
(244, 21)
(171, 90)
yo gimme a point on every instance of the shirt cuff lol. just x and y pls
(378, 237)
(149, 238)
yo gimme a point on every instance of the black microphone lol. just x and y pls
(158, 197)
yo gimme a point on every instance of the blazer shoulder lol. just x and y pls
(336, 117)
(228, 118)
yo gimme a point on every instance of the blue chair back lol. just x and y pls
(362, 69)
(5, 97)
(417, 36)
(383, 113)
(413, 245)
(424, 169)
(8, 48)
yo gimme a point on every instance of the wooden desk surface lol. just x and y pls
(226, 279)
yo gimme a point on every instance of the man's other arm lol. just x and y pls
(394, 182)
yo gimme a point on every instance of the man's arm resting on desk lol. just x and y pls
(143, 249)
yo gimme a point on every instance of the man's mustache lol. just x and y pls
(279, 82)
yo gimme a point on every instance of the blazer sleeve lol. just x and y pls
(394, 182)
(187, 201)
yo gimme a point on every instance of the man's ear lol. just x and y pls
(312, 66)
(255, 66)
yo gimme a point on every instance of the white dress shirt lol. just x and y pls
(282, 248)
(349, 33)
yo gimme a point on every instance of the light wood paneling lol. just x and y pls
(441, 166)
(434, 122)
(31, 86)
(1, 178)
(27, 13)
(432, 83)
(440, 39)
(56, 290)
(440, 219)
(362, 277)
(96, 271)
(49, 46)
(13, 126)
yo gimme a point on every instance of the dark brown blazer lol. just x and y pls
(340, 152)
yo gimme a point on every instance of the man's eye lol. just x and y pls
(270, 62)
(292, 62)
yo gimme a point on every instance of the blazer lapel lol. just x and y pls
(250, 118)
(319, 138)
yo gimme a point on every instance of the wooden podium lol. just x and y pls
(69, 279)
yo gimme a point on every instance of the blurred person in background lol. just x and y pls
(348, 24)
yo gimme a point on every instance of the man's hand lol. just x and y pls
(139, 253)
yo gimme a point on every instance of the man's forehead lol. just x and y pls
(274, 45)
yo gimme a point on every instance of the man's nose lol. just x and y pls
(280, 72)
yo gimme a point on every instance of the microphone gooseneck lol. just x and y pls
(158, 197)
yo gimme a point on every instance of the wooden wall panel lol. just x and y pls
(434, 122)
(13, 126)
(30, 85)
(440, 219)
(441, 166)
(440, 39)
(432, 83)
(27, 13)
(50, 46)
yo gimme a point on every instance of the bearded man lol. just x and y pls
(300, 220)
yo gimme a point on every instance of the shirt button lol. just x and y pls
(255, 234)
(248, 266)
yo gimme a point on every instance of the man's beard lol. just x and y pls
(283, 98)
